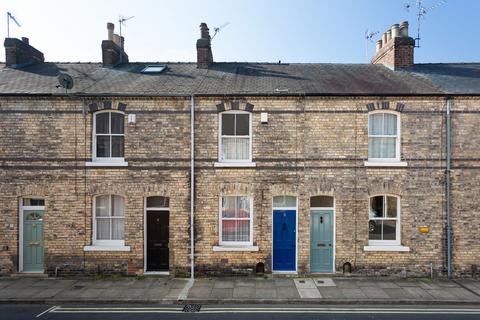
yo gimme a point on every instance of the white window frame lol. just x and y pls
(397, 136)
(110, 161)
(220, 220)
(111, 243)
(397, 240)
(220, 136)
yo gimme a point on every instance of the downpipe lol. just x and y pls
(448, 187)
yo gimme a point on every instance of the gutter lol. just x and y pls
(448, 187)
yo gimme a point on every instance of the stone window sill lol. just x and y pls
(106, 248)
(234, 164)
(235, 248)
(386, 164)
(399, 248)
(106, 164)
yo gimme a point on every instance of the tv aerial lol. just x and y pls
(217, 29)
(121, 22)
(369, 38)
(65, 81)
(11, 17)
(421, 14)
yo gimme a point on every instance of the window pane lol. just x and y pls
(321, 201)
(392, 207)
(376, 207)
(243, 230)
(117, 206)
(228, 124)
(102, 206)
(33, 202)
(389, 229)
(376, 124)
(228, 230)
(117, 123)
(375, 147)
(243, 125)
(235, 148)
(103, 229)
(103, 146)
(390, 124)
(157, 202)
(117, 146)
(284, 201)
(117, 229)
(101, 124)
(375, 230)
(243, 205)
(389, 147)
(228, 207)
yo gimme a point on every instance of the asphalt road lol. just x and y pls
(238, 312)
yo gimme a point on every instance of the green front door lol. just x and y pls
(33, 240)
(321, 241)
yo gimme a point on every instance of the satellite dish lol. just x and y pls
(65, 80)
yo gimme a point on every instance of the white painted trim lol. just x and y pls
(94, 135)
(234, 243)
(234, 248)
(296, 234)
(21, 208)
(398, 143)
(398, 219)
(110, 163)
(105, 248)
(334, 231)
(235, 164)
(250, 120)
(145, 209)
(106, 243)
(383, 163)
(386, 248)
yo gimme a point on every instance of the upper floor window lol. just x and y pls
(384, 220)
(108, 222)
(383, 136)
(235, 141)
(236, 221)
(108, 136)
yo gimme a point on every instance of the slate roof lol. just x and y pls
(235, 78)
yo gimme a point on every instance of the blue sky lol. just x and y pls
(259, 30)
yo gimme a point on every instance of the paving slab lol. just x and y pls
(353, 293)
(331, 292)
(396, 293)
(417, 293)
(198, 292)
(463, 294)
(245, 283)
(374, 293)
(306, 293)
(224, 293)
(442, 294)
(347, 284)
(224, 284)
(244, 292)
(387, 285)
(265, 293)
(173, 293)
(366, 283)
(270, 284)
(284, 282)
(288, 292)
(324, 282)
(305, 283)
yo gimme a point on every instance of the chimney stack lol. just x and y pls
(113, 49)
(204, 48)
(395, 49)
(19, 53)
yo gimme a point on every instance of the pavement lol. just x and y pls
(241, 290)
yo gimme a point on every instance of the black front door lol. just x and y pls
(157, 241)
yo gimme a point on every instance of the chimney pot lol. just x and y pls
(404, 29)
(384, 38)
(389, 35)
(25, 39)
(379, 45)
(395, 31)
(110, 28)
(116, 39)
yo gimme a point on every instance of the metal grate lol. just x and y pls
(192, 308)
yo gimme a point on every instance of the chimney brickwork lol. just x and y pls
(113, 52)
(204, 48)
(396, 48)
(19, 53)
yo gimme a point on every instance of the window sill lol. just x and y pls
(106, 248)
(235, 164)
(385, 164)
(235, 248)
(397, 248)
(106, 164)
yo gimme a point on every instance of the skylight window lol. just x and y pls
(156, 68)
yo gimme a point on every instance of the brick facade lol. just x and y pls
(310, 146)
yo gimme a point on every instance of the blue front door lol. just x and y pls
(321, 241)
(284, 240)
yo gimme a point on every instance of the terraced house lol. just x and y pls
(372, 169)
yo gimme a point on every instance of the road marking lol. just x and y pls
(291, 310)
(46, 311)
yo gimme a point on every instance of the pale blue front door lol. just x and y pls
(33, 240)
(321, 241)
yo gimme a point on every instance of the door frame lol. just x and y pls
(21, 209)
(334, 216)
(296, 235)
(145, 209)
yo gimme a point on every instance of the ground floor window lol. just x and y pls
(109, 220)
(235, 220)
(384, 220)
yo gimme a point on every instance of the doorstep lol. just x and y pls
(29, 275)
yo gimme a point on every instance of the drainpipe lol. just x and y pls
(192, 187)
(449, 188)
